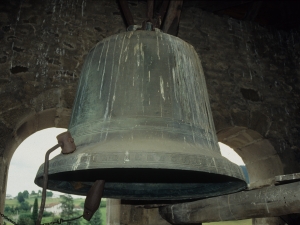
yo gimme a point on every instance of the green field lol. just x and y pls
(78, 202)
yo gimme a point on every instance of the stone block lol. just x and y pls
(240, 117)
(259, 122)
(48, 99)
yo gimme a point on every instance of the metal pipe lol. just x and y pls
(126, 12)
(45, 184)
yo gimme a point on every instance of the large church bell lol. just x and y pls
(142, 122)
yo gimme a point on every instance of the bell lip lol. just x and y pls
(117, 190)
(191, 194)
(188, 161)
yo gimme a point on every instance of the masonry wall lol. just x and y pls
(252, 72)
(252, 76)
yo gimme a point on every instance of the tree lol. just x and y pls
(67, 206)
(20, 197)
(49, 194)
(96, 219)
(25, 194)
(35, 210)
(24, 206)
(25, 220)
(33, 193)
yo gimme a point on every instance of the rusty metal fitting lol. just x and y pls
(67, 142)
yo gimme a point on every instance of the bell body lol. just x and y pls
(142, 122)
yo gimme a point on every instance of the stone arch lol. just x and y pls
(258, 154)
(53, 117)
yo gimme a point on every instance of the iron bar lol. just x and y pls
(45, 184)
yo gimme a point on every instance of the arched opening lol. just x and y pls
(261, 159)
(32, 126)
(23, 192)
(24, 164)
(28, 157)
(232, 156)
(258, 154)
(28, 125)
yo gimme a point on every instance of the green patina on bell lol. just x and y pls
(142, 122)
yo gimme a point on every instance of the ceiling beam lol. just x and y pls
(171, 22)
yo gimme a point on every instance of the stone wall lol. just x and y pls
(43, 47)
(252, 72)
(252, 75)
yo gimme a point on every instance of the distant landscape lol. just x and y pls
(21, 209)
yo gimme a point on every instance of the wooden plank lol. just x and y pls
(270, 201)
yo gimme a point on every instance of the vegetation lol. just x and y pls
(35, 210)
(49, 193)
(25, 194)
(96, 219)
(22, 214)
(67, 206)
(25, 219)
(13, 207)
(20, 197)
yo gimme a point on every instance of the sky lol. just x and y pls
(27, 159)
(230, 154)
(31, 154)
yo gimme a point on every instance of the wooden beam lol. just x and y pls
(270, 201)
(150, 5)
(126, 12)
(160, 14)
(171, 23)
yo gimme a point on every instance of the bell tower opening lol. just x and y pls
(27, 158)
(23, 166)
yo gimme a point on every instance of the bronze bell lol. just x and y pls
(142, 122)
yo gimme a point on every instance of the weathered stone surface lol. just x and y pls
(259, 122)
(249, 70)
(5, 132)
(250, 94)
